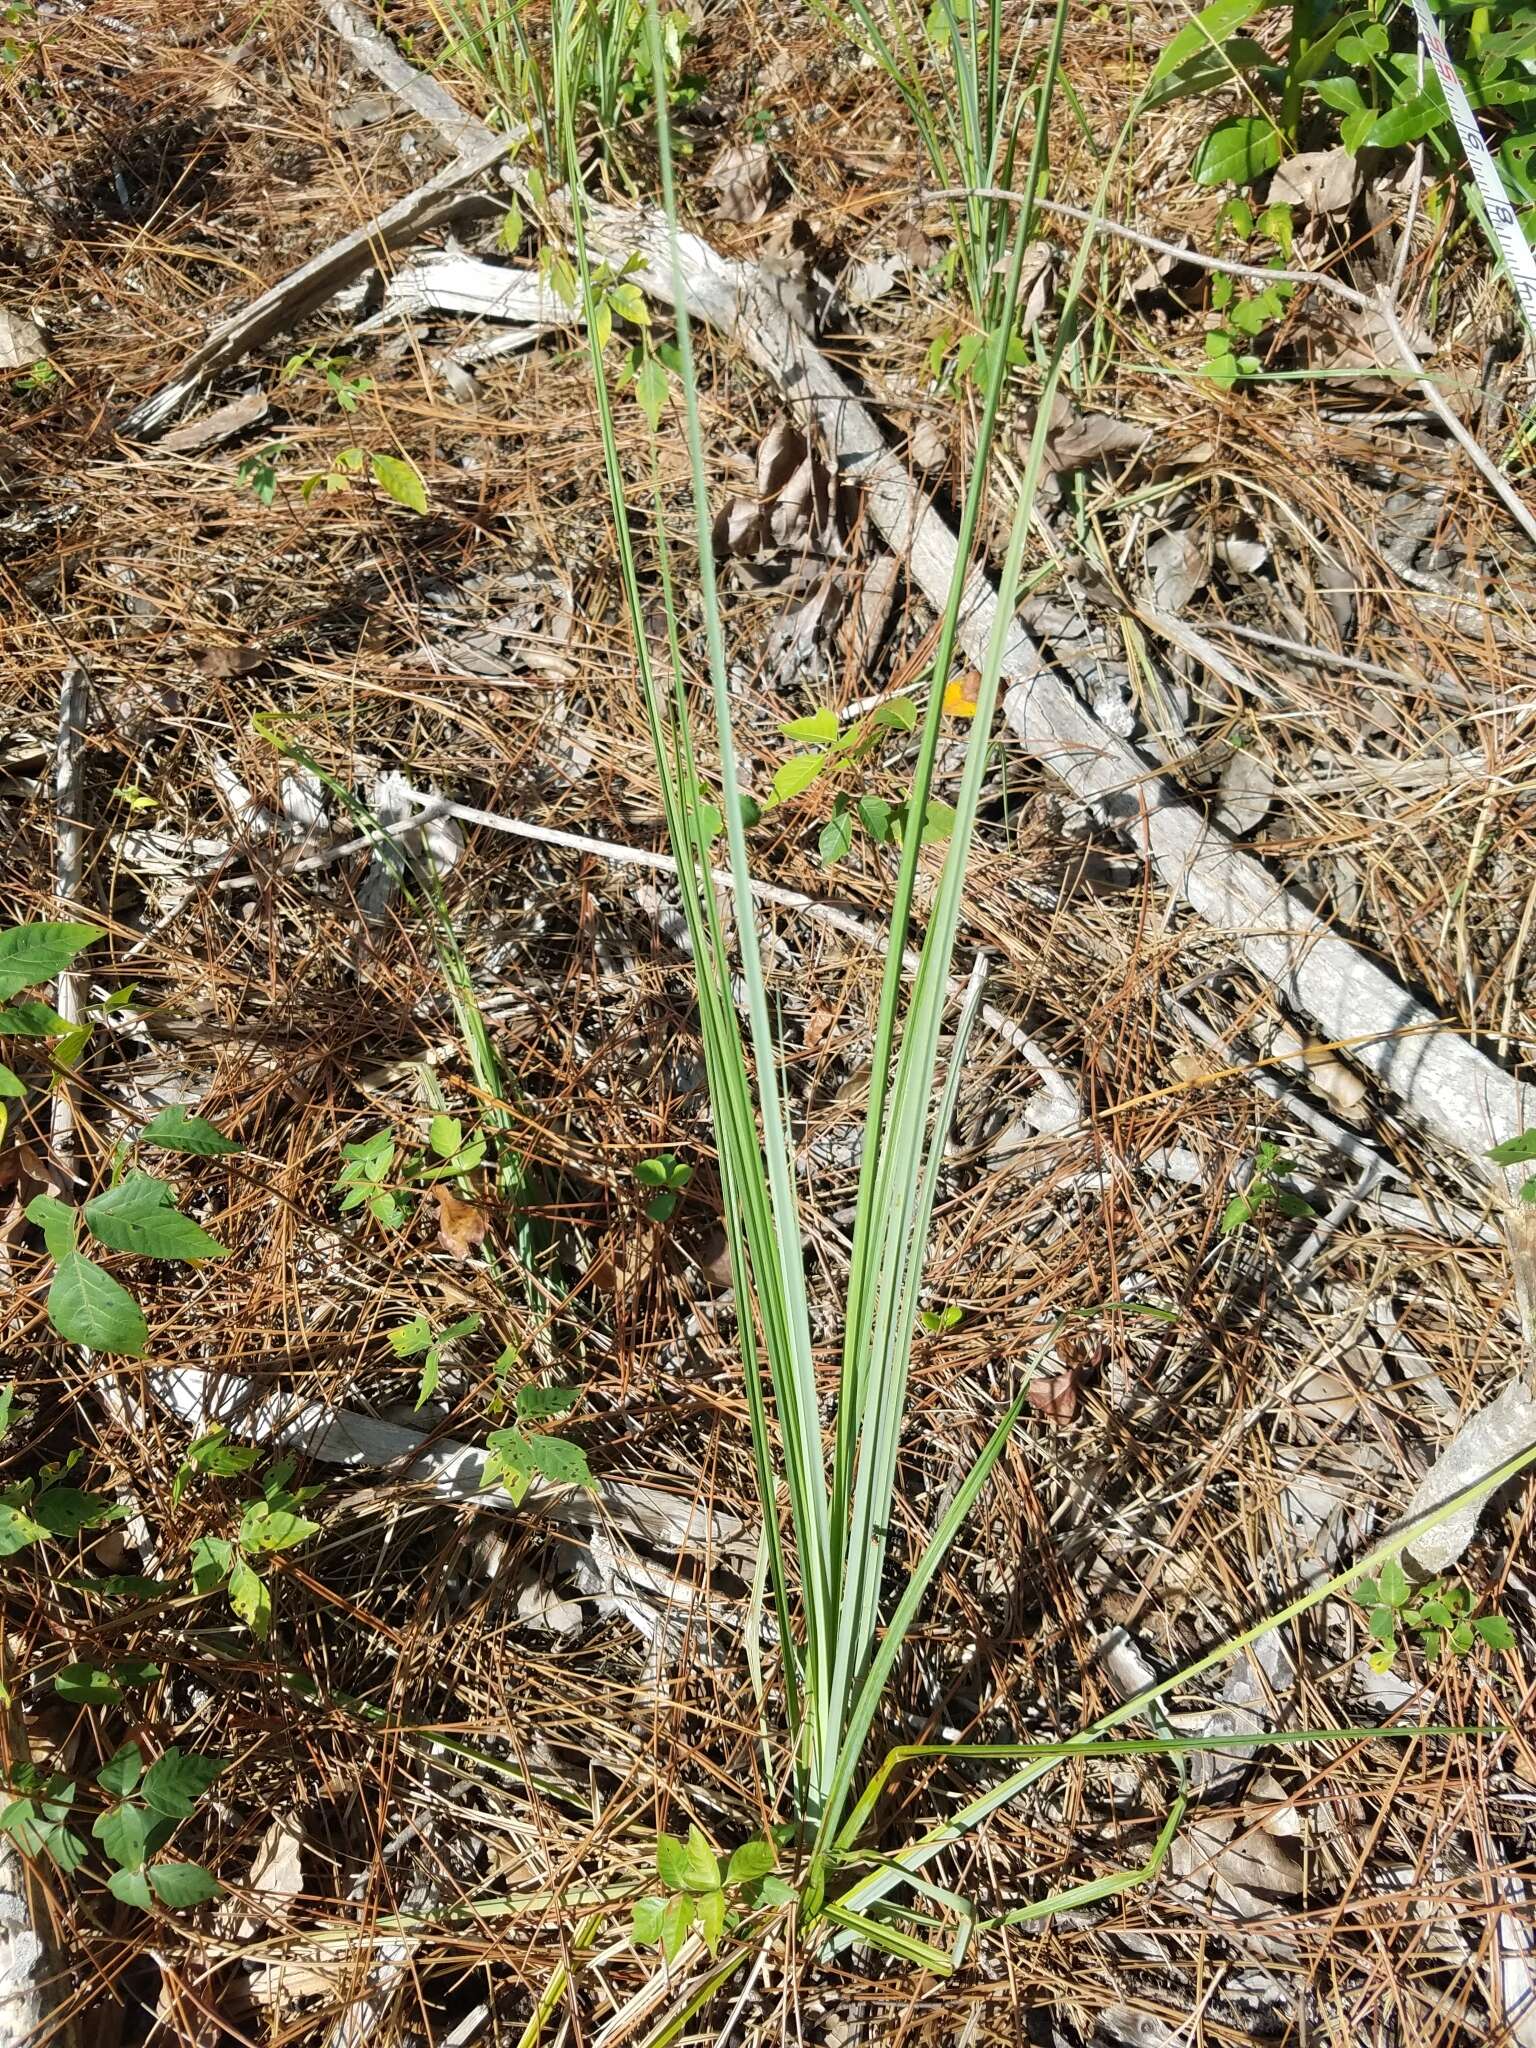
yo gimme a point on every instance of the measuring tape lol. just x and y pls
(1519, 257)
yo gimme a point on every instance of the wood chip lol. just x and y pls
(212, 428)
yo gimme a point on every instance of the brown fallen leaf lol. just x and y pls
(222, 663)
(461, 1227)
(1075, 439)
(1055, 1399)
(742, 174)
(1320, 180)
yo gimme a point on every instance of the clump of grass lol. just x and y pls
(827, 1572)
(946, 61)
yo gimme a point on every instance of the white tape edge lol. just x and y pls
(1508, 235)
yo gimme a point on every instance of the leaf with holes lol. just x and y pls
(561, 1463)
(17, 1531)
(543, 1404)
(265, 1528)
(177, 1130)
(65, 1511)
(174, 1784)
(509, 1462)
(140, 1215)
(87, 1306)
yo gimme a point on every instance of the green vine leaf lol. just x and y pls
(400, 480)
(33, 953)
(140, 1215)
(87, 1306)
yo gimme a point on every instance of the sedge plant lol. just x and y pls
(827, 1508)
(947, 64)
(827, 1572)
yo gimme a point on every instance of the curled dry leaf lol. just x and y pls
(541, 1607)
(1056, 1398)
(1177, 567)
(928, 448)
(223, 663)
(742, 174)
(1239, 1870)
(1190, 1067)
(21, 343)
(1244, 554)
(277, 1869)
(1077, 438)
(1037, 282)
(1155, 273)
(1325, 1071)
(1244, 794)
(873, 277)
(461, 1227)
(1320, 181)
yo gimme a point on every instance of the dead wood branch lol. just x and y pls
(442, 198)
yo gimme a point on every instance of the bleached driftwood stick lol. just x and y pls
(440, 199)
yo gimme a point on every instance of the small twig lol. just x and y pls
(1415, 183)
(1323, 657)
(1102, 225)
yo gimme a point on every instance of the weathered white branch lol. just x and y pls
(438, 1466)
